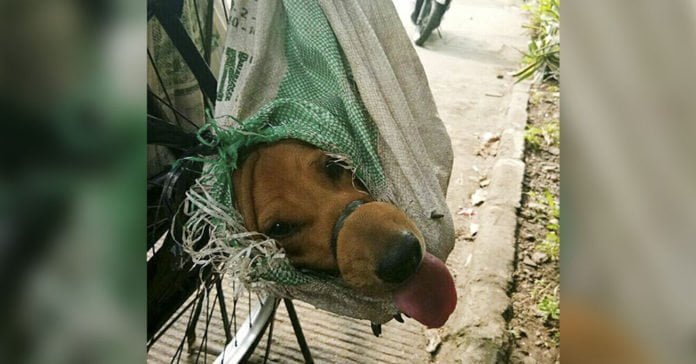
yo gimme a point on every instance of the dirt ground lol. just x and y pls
(536, 295)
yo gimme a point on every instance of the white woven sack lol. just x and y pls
(414, 147)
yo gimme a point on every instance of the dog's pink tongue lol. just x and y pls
(429, 296)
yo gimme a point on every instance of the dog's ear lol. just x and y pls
(243, 181)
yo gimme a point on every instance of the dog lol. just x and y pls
(325, 220)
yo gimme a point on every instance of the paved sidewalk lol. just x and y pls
(469, 74)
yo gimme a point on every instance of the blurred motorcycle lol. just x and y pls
(427, 16)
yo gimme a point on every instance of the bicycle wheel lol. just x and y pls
(199, 332)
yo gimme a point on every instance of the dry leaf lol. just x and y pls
(489, 143)
(466, 212)
(434, 340)
(473, 229)
(468, 260)
(488, 138)
(478, 197)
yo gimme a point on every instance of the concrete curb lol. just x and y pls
(480, 329)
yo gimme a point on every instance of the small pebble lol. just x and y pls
(539, 257)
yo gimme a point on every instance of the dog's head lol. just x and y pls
(326, 221)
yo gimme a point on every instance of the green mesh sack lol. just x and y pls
(296, 70)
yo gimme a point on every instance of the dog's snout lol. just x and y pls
(401, 261)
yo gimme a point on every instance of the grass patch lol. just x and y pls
(548, 212)
(551, 245)
(546, 135)
(545, 203)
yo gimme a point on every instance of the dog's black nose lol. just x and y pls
(402, 260)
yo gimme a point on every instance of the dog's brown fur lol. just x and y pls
(293, 183)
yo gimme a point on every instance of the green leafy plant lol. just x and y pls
(553, 209)
(551, 245)
(550, 306)
(543, 56)
(551, 202)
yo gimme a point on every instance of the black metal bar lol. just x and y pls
(191, 329)
(298, 331)
(376, 329)
(209, 31)
(176, 5)
(223, 308)
(270, 333)
(151, 4)
(168, 17)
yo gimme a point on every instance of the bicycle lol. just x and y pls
(182, 298)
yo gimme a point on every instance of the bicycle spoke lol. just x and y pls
(211, 306)
(234, 312)
(249, 302)
(204, 340)
(174, 109)
(200, 27)
(161, 82)
(224, 8)
(200, 347)
(156, 223)
(206, 48)
(171, 322)
(179, 350)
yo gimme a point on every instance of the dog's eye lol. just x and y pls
(280, 230)
(334, 170)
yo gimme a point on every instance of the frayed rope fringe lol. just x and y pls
(230, 250)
